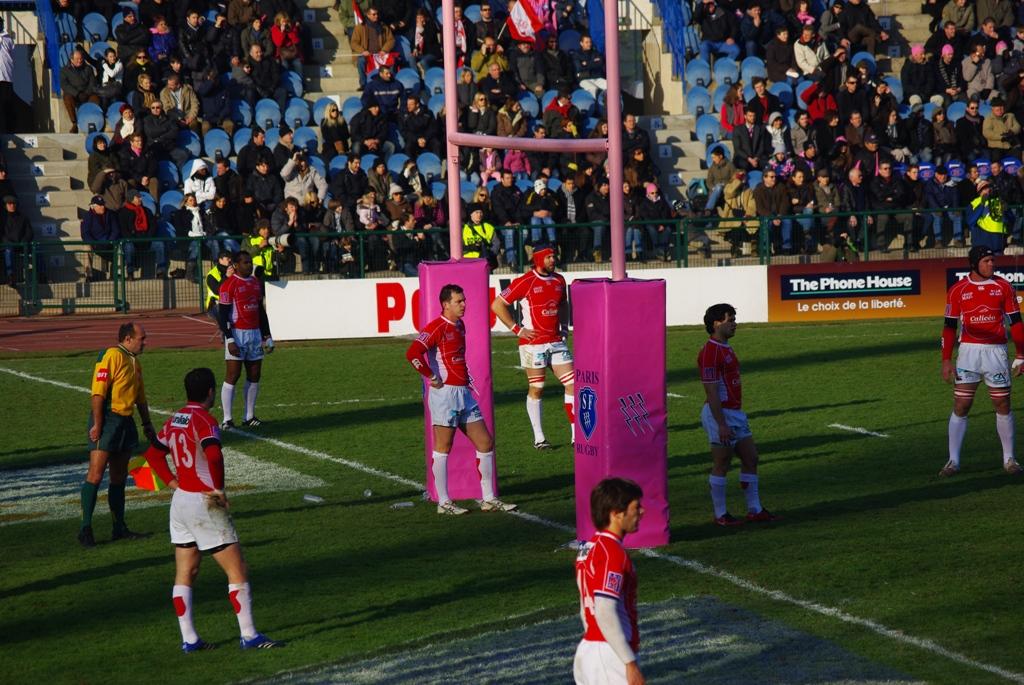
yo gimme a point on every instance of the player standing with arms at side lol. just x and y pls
(723, 419)
(439, 355)
(200, 521)
(246, 329)
(543, 344)
(607, 584)
(979, 303)
(117, 389)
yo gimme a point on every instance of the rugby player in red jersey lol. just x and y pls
(439, 355)
(723, 418)
(200, 521)
(978, 304)
(542, 343)
(246, 329)
(606, 581)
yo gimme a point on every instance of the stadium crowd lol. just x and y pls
(819, 128)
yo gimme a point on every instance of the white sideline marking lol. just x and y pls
(677, 396)
(857, 429)
(696, 566)
(192, 318)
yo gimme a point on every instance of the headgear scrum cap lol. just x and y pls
(539, 256)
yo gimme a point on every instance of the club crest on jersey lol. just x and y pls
(588, 411)
(613, 582)
(102, 375)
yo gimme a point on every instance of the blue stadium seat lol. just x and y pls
(410, 79)
(396, 162)
(472, 12)
(896, 86)
(216, 143)
(725, 71)
(65, 53)
(554, 184)
(98, 49)
(491, 185)
(429, 165)
(94, 27)
(466, 190)
(438, 189)
(167, 175)
(336, 164)
(147, 201)
(926, 171)
(170, 202)
(306, 139)
(698, 73)
(114, 114)
(67, 27)
(293, 83)
(983, 168)
(434, 80)
(241, 138)
(1011, 165)
(273, 137)
(798, 92)
(320, 108)
(268, 114)
(189, 140)
(956, 111)
(724, 148)
(547, 97)
(984, 109)
(754, 178)
(531, 107)
(956, 169)
(436, 103)
(297, 113)
(241, 113)
(316, 163)
(783, 92)
(405, 49)
(568, 40)
(589, 125)
(929, 109)
(751, 67)
(91, 138)
(698, 101)
(748, 93)
(708, 129)
(367, 161)
(584, 101)
(351, 108)
(525, 185)
(90, 118)
(865, 57)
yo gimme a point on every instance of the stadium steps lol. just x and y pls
(56, 166)
(334, 57)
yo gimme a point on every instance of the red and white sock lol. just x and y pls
(439, 467)
(241, 600)
(485, 465)
(570, 411)
(181, 595)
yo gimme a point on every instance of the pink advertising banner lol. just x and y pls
(472, 276)
(619, 350)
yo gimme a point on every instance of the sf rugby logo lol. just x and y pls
(588, 411)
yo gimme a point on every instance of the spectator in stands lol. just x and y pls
(720, 172)
(718, 31)
(284, 149)
(108, 184)
(527, 68)
(249, 213)
(969, 132)
(919, 78)
(572, 210)
(826, 130)
(347, 13)
(15, 229)
(126, 125)
(498, 86)
(781, 163)
(853, 98)
(101, 157)
(410, 245)
(976, 69)
(1006, 187)
(854, 196)
(136, 221)
(350, 184)
(779, 60)
(800, 195)
(194, 49)
(223, 40)
(466, 88)
(99, 229)
(653, 208)
(944, 143)
(423, 39)
(731, 113)
(134, 69)
(215, 104)
(870, 156)
(261, 78)
(894, 137)
(479, 239)
(285, 221)
(801, 132)
(589, 65)
(379, 179)
(287, 43)
(192, 223)
(540, 207)
(1002, 131)
(480, 117)
(265, 187)
(830, 29)
(764, 102)
(940, 193)
(558, 70)
(834, 70)
(369, 129)
(490, 165)
(138, 165)
(949, 77)
(143, 97)
(228, 183)
(201, 184)
(370, 38)
(77, 86)
(224, 224)
(111, 86)
(506, 201)
(487, 55)
(162, 134)
(255, 33)
(398, 205)
(489, 27)
(300, 178)
(598, 210)
(947, 35)
(465, 36)
(754, 31)
(333, 132)
(180, 103)
(883, 102)
(860, 26)
(541, 164)
(163, 42)
(511, 119)
(253, 151)
(772, 200)
(1017, 44)
(961, 15)
(988, 37)
(131, 36)
(751, 143)
(809, 53)
(779, 133)
(389, 93)
(888, 192)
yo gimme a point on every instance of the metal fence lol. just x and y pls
(169, 273)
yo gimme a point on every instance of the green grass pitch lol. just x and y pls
(869, 530)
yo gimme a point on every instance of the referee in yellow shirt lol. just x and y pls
(117, 389)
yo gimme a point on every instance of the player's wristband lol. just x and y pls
(229, 340)
(516, 329)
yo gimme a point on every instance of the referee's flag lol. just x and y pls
(145, 477)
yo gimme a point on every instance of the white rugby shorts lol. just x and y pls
(453, 406)
(976, 361)
(597, 664)
(544, 355)
(195, 519)
(734, 418)
(250, 345)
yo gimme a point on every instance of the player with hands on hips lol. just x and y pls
(439, 355)
(199, 519)
(978, 305)
(541, 343)
(723, 419)
(607, 583)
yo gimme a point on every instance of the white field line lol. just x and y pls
(677, 396)
(857, 429)
(13, 349)
(202, 321)
(696, 566)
